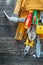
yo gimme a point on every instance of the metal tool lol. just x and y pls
(41, 16)
(38, 49)
(39, 31)
(26, 50)
(14, 19)
(28, 45)
(32, 34)
(16, 13)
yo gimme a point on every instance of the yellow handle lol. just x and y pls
(23, 4)
(17, 7)
(27, 42)
(31, 43)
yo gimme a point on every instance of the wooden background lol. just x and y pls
(11, 51)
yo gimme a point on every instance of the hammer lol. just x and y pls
(15, 18)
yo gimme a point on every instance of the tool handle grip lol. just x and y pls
(28, 20)
(17, 7)
(23, 4)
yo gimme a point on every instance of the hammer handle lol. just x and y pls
(23, 3)
(17, 7)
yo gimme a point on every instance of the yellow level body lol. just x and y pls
(39, 29)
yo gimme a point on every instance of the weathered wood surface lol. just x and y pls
(11, 51)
